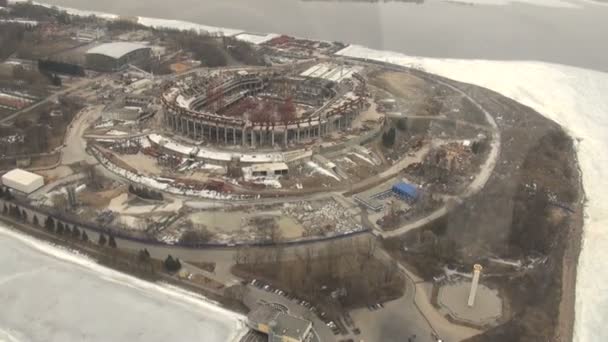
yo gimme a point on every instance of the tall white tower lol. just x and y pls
(476, 273)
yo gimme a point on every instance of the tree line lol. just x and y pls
(11, 35)
(73, 233)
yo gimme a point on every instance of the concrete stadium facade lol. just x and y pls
(336, 107)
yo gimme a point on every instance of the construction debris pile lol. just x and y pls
(322, 218)
(445, 168)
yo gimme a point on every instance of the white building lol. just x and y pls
(268, 169)
(22, 181)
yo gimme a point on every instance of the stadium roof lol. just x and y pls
(116, 50)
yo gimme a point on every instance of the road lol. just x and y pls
(396, 322)
(74, 149)
(116, 137)
(78, 84)
(448, 331)
(478, 182)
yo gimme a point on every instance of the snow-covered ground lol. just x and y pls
(49, 294)
(257, 38)
(186, 26)
(320, 170)
(578, 100)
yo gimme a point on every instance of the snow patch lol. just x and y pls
(317, 168)
(362, 157)
(256, 38)
(116, 133)
(110, 275)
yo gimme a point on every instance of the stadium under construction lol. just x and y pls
(265, 107)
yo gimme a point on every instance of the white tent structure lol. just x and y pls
(22, 181)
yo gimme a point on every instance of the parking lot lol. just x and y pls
(263, 293)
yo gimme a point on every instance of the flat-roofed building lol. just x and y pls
(288, 328)
(405, 190)
(117, 56)
(269, 169)
(22, 181)
(279, 325)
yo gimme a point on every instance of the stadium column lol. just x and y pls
(225, 134)
(285, 136)
(243, 136)
(233, 135)
(217, 133)
(252, 136)
(272, 137)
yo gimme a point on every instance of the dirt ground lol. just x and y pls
(370, 114)
(404, 86)
(101, 199)
(410, 91)
(290, 229)
(44, 161)
(56, 173)
(233, 221)
(219, 221)
(124, 205)
(146, 164)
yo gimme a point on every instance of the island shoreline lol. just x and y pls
(570, 258)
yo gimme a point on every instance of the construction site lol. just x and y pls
(330, 185)
(250, 155)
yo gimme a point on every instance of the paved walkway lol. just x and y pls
(446, 330)
(75, 145)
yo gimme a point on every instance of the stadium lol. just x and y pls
(265, 107)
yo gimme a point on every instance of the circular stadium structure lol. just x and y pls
(270, 107)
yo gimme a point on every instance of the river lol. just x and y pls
(560, 31)
(48, 294)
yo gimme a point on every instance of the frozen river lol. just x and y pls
(571, 32)
(47, 294)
